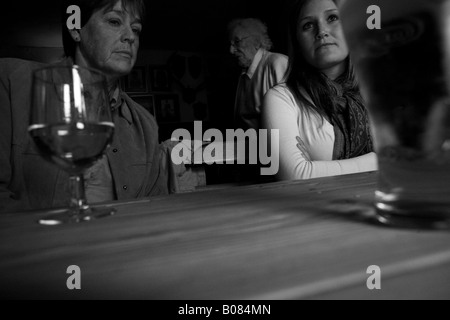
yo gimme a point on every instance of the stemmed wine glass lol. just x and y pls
(72, 127)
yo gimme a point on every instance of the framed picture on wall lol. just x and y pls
(147, 101)
(160, 79)
(167, 107)
(136, 81)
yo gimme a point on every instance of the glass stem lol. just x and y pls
(78, 196)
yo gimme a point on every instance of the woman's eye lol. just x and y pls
(137, 31)
(114, 22)
(307, 26)
(333, 18)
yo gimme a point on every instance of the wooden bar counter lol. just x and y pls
(291, 240)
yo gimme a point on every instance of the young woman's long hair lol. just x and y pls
(323, 91)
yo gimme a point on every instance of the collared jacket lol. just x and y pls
(266, 71)
(27, 181)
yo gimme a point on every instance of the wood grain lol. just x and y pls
(292, 240)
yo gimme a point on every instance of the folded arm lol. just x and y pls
(296, 160)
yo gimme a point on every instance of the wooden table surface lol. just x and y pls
(292, 240)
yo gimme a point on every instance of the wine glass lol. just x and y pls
(71, 126)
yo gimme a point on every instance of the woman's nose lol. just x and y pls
(321, 35)
(322, 31)
(129, 35)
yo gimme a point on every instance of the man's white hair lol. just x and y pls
(254, 27)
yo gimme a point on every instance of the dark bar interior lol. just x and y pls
(348, 196)
(176, 29)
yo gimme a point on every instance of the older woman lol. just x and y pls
(323, 124)
(107, 41)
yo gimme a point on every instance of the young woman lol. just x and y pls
(321, 118)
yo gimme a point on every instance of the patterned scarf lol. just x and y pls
(340, 102)
(351, 123)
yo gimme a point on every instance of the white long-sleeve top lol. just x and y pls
(281, 111)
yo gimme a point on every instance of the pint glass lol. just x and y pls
(401, 53)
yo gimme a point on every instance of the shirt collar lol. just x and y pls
(119, 104)
(256, 60)
(116, 100)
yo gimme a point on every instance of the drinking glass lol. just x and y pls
(71, 127)
(403, 68)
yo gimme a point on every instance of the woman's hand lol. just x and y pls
(302, 147)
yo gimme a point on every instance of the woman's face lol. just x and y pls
(110, 41)
(320, 36)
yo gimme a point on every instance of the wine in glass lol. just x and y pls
(71, 126)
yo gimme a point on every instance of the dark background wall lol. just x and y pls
(173, 27)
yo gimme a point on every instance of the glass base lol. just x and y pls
(66, 216)
(416, 217)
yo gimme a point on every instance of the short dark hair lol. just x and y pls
(88, 8)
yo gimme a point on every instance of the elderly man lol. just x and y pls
(250, 44)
